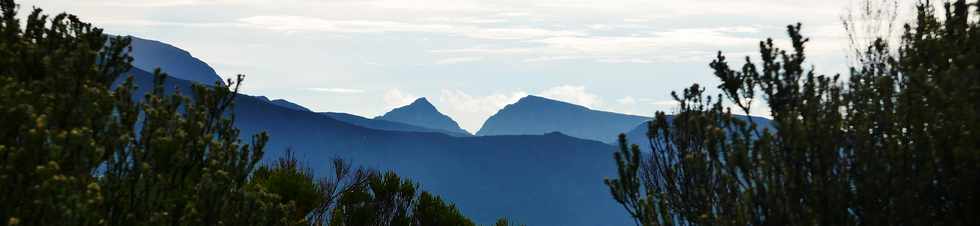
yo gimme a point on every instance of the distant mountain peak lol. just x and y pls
(422, 102)
(533, 98)
(149, 55)
(532, 101)
(422, 113)
(534, 115)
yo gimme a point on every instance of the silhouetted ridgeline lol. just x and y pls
(549, 179)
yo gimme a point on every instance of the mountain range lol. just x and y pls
(546, 179)
(539, 115)
(422, 113)
(537, 161)
(149, 55)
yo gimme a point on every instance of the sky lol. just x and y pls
(470, 58)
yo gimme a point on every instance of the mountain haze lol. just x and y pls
(285, 103)
(539, 115)
(384, 124)
(638, 135)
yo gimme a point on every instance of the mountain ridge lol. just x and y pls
(385, 124)
(548, 179)
(148, 55)
(539, 115)
(422, 113)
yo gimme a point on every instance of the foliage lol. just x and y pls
(344, 181)
(504, 222)
(388, 200)
(431, 210)
(291, 183)
(74, 151)
(897, 143)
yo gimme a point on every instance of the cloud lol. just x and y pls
(484, 51)
(457, 60)
(451, 28)
(660, 40)
(396, 98)
(573, 94)
(432, 5)
(626, 61)
(302, 23)
(627, 100)
(466, 20)
(156, 3)
(471, 111)
(552, 58)
(337, 90)
(667, 46)
(518, 33)
(664, 103)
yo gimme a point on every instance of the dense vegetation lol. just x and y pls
(896, 142)
(77, 150)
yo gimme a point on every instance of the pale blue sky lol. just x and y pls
(469, 57)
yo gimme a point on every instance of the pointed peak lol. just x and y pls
(421, 103)
(424, 114)
(533, 97)
(421, 100)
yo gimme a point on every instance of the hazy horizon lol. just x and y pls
(469, 58)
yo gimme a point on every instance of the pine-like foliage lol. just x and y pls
(74, 151)
(388, 200)
(897, 143)
(293, 184)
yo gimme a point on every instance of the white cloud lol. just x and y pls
(513, 14)
(669, 46)
(484, 51)
(451, 28)
(432, 5)
(664, 103)
(471, 111)
(625, 61)
(678, 39)
(466, 20)
(518, 33)
(337, 90)
(156, 3)
(457, 60)
(627, 100)
(396, 98)
(302, 23)
(573, 94)
(552, 58)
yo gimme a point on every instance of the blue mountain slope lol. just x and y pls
(149, 55)
(385, 125)
(284, 103)
(549, 179)
(422, 113)
(538, 115)
(638, 135)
